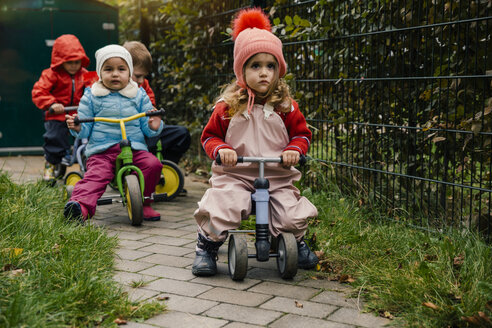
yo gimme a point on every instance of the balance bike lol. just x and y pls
(284, 246)
(128, 178)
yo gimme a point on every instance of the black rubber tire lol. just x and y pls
(237, 256)
(134, 201)
(171, 181)
(287, 259)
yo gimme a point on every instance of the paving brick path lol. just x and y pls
(158, 256)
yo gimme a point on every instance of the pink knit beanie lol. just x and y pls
(252, 34)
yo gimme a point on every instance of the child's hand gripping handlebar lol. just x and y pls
(262, 161)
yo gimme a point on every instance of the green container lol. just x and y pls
(28, 29)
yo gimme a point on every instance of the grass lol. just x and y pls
(54, 274)
(421, 278)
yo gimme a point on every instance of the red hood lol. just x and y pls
(67, 47)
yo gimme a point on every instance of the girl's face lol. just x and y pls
(260, 72)
(72, 66)
(115, 73)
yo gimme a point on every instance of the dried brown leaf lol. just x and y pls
(17, 272)
(484, 316)
(119, 321)
(438, 139)
(430, 305)
(162, 298)
(299, 304)
(345, 278)
(458, 260)
(472, 319)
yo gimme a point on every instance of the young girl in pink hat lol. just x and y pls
(254, 116)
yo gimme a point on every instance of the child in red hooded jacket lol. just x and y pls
(60, 85)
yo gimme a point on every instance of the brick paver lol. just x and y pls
(154, 262)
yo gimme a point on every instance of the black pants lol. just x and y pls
(175, 140)
(56, 141)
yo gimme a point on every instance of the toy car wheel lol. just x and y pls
(70, 180)
(172, 180)
(59, 171)
(287, 255)
(237, 256)
(134, 201)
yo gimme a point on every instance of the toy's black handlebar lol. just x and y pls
(243, 159)
(78, 120)
(67, 109)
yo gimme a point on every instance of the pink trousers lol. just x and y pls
(100, 172)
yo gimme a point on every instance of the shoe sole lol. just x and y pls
(203, 273)
(307, 266)
(156, 218)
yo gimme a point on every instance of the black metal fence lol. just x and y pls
(397, 93)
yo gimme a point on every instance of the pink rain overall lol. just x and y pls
(228, 201)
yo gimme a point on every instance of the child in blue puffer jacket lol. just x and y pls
(115, 95)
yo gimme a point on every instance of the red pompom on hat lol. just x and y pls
(252, 35)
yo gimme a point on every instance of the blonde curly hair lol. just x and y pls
(237, 98)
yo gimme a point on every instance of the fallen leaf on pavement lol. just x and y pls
(299, 304)
(119, 321)
(346, 278)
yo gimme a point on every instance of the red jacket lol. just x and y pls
(55, 84)
(213, 135)
(149, 91)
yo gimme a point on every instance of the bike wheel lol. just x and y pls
(287, 255)
(59, 171)
(237, 256)
(171, 181)
(134, 201)
(70, 180)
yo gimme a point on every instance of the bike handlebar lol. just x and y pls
(244, 159)
(66, 109)
(78, 120)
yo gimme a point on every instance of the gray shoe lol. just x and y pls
(306, 258)
(205, 263)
